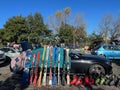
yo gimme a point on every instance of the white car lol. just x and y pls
(2, 56)
(10, 52)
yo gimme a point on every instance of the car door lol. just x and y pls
(77, 64)
(116, 51)
(108, 51)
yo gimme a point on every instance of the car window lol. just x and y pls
(117, 47)
(11, 50)
(4, 49)
(108, 47)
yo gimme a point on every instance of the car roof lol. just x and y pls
(8, 47)
(109, 45)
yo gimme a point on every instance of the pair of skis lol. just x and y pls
(34, 70)
(44, 82)
(56, 54)
(66, 65)
(59, 66)
(41, 69)
(54, 72)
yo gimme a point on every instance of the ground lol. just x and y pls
(10, 81)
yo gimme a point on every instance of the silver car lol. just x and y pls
(10, 52)
(2, 55)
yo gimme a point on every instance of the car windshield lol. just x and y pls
(97, 47)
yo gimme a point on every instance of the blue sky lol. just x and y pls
(93, 10)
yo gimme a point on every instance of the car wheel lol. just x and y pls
(96, 69)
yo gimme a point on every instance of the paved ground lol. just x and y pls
(10, 81)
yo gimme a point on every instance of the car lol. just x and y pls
(89, 64)
(10, 52)
(109, 51)
(2, 56)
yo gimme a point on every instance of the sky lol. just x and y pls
(93, 10)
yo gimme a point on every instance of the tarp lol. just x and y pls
(62, 59)
(18, 63)
(117, 39)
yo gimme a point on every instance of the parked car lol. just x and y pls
(110, 51)
(10, 52)
(89, 64)
(2, 56)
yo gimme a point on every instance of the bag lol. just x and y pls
(17, 63)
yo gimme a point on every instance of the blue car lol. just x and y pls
(110, 51)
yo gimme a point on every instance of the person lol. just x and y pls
(86, 50)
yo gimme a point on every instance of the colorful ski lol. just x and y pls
(50, 74)
(25, 76)
(64, 70)
(32, 69)
(59, 66)
(68, 67)
(40, 74)
(36, 69)
(54, 73)
(45, 67)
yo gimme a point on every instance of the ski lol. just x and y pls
(36, 69)
(32, 69)
(45, 67)
(68, 67)
(50, 74)
(54, 73)
(59, 66)
(64, 70)
(25, 76)
(40, 74)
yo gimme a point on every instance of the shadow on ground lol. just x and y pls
(5, 62)
(117, 62)
(12, 83)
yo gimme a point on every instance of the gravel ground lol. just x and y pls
(10, 81)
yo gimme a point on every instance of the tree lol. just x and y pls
(59, 20)
(105, 26)
(31, 27)
(36, 25)
(55, 21)
(109, 27)
(14, 27)
(95, 39)
(66, 15)
(65, 33)
(115, 32)
(79, 32)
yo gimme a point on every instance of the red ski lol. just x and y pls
(36, 69)
(50, 74)
(32, 70)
